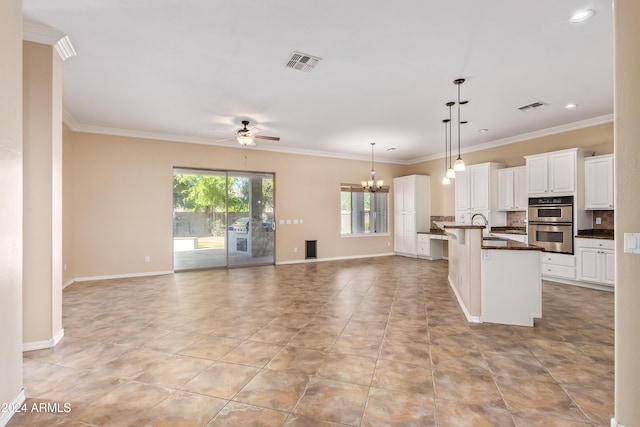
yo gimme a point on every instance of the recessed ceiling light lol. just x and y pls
(483, 130)
(570, 106)
(581, 16)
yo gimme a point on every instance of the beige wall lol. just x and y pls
(627, 159)
(42, 143)
(10, 202)
(121, 201)
(598, 139)
(118, 201)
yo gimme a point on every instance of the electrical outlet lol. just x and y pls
(295, 250)
(598, 220)
(147, 259)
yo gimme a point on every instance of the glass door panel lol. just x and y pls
(199, 219)
(251, 215)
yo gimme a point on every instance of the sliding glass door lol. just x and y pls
(222, 219)
(251, 213)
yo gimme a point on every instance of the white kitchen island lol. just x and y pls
(495, 280)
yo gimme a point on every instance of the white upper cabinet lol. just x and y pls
(463, 201)
(475, 187)
(552, 173)
(477, 192)
(512, 189)
(538, 174)
(598, 182)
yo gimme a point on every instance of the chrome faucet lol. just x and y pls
(486, 222)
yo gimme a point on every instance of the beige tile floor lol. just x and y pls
(370, 342)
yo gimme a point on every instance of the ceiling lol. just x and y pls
(192, 70)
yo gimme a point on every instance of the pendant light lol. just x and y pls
(445, 179)
(459, 164)
(372, 185)
(451, 174)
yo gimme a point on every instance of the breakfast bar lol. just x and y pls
(495, 280)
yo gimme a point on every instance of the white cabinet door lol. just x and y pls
(398, 232)
(404, 238)
(403, 191)
(537, 175)
(479, 187)
(609, 267)
(588, 261)
(598, 185)
(506, 191)
(462, 191)
(520, 197)
(562, 172)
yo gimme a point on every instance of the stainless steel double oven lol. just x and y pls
(551, 223)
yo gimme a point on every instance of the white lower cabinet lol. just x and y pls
(558, 265)
(430, 246)
(596, 261)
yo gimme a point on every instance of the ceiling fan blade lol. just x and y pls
(269, 138)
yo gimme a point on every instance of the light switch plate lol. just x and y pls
(632, 243)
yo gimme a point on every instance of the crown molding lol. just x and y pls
(39, 33)
(43, 34)
(595, 121)
(74, 125)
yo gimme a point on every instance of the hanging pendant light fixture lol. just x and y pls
(445, 179)
(458, 166)
(372, 185)
(451, 174)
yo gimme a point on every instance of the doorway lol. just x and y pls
(222, 219)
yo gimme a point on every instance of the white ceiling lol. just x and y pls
(191, 70)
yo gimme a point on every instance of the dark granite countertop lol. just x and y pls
(507, 244)
(444, 225)
(596, 234)
(433, 231)
(509, 230)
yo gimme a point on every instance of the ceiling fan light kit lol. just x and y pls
(246, 137)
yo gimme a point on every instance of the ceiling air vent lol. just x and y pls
(533, 106)
(303, 62)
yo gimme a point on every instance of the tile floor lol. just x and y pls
(371, 342)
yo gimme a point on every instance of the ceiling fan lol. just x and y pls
(246, 137)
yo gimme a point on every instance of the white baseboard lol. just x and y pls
(303, 261)
(118, 276)
(470, 318)
(5, 416)
(579, 283)
(40, 345)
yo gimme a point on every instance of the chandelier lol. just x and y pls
(372, 185)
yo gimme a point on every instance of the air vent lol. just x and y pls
(303, 62)
(533, 106)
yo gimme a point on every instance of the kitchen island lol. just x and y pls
(495, 280)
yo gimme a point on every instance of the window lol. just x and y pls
(363, 212)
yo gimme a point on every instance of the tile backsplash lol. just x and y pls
(441, 218)
(607, 220)
(516, 219)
